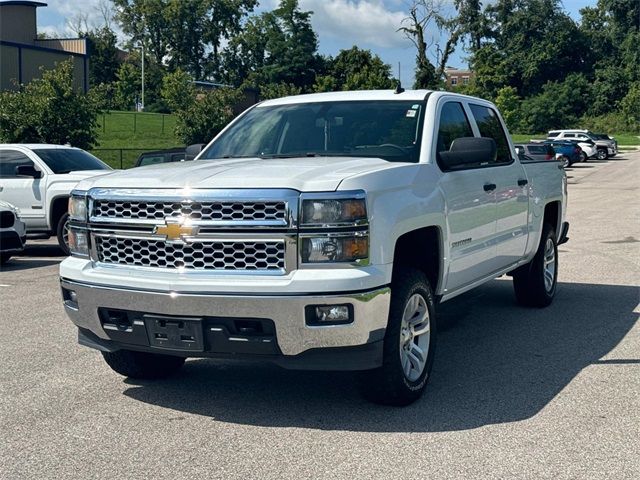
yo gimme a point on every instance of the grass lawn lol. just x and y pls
(125, 135)
(623, 139)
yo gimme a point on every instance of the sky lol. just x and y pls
(370, 24)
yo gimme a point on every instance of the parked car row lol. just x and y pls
(569, 147)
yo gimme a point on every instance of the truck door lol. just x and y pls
(512, 190)
(24, 192)
(470, 206)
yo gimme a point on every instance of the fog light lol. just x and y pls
(319, 315)
(332, 313)
(73, 296)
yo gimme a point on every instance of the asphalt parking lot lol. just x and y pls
(515, 393)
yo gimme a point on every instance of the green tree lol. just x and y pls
(128, 86)
(559, 105)
(277, 47)
(187, 34)
(104, 63)
(529, 44)
(630, 106)
(205, 118)
(178, 90)
(279, 90)
(355, 69)
(508, 103)
(49, 110)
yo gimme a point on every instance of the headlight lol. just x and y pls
(334, 211)
(78, 242)
(78, 207)
(331, 248)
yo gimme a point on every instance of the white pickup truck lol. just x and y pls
(316, 231)
(38, 179)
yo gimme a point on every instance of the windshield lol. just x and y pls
(385, 129)
(65, 160)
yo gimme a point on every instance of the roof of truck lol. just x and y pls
(360, 95)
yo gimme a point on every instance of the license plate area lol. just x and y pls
(175, 333)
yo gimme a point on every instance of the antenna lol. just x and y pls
(399, 88)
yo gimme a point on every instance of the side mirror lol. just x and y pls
(192, 151)
(28, 171)
(468, 151)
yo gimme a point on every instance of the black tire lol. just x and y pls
(4, 258)
(566, 161)
(583, 157)
(603, 154)
(61, 233)
(142, 365)
(388, 384)
(529, 280)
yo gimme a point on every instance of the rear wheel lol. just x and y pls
(409, 345)
(535, 283)
(143, 365)
(566, 162)
(583, 157)
(62, 232)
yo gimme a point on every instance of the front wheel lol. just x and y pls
(566, 162)
(583, 157)
(535, 283)
(62, 232)
(409, 344)
(602, 154)
(142, 365)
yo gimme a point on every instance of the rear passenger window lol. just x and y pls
(10, 160)
(453, 124)
(490, 126)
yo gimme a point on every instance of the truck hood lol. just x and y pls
(303, 174)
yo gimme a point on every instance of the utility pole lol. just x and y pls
(142, 98)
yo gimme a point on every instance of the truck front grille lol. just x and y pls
(268, 255)
(221, 211)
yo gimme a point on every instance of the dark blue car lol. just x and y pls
(568, 152)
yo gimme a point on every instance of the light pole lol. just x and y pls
(142, 96)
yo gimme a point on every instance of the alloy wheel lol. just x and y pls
(549, 265)
(415, 337)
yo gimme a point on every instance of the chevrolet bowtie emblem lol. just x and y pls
(175, 231)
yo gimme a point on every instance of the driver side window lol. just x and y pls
(10, 160)
(453, 124)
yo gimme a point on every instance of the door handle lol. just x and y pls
(522, 182)
(489, 187)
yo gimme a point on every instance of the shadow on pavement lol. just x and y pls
(35, 256)
(496, 363)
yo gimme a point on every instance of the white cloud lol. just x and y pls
(357, 22)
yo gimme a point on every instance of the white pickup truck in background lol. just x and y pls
(38, 178)
(318, 232)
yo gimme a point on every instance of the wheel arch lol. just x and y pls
(423, 249)
(59, 206)
(553, 215)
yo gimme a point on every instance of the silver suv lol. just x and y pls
(606, 147)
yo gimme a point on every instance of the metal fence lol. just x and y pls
(119, 157)
(136, 122)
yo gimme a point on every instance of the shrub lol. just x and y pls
(49, 110)
(206, 117)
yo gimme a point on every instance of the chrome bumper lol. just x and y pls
(370, 312)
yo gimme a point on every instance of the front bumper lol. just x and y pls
(11, 241)
(353, 346)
